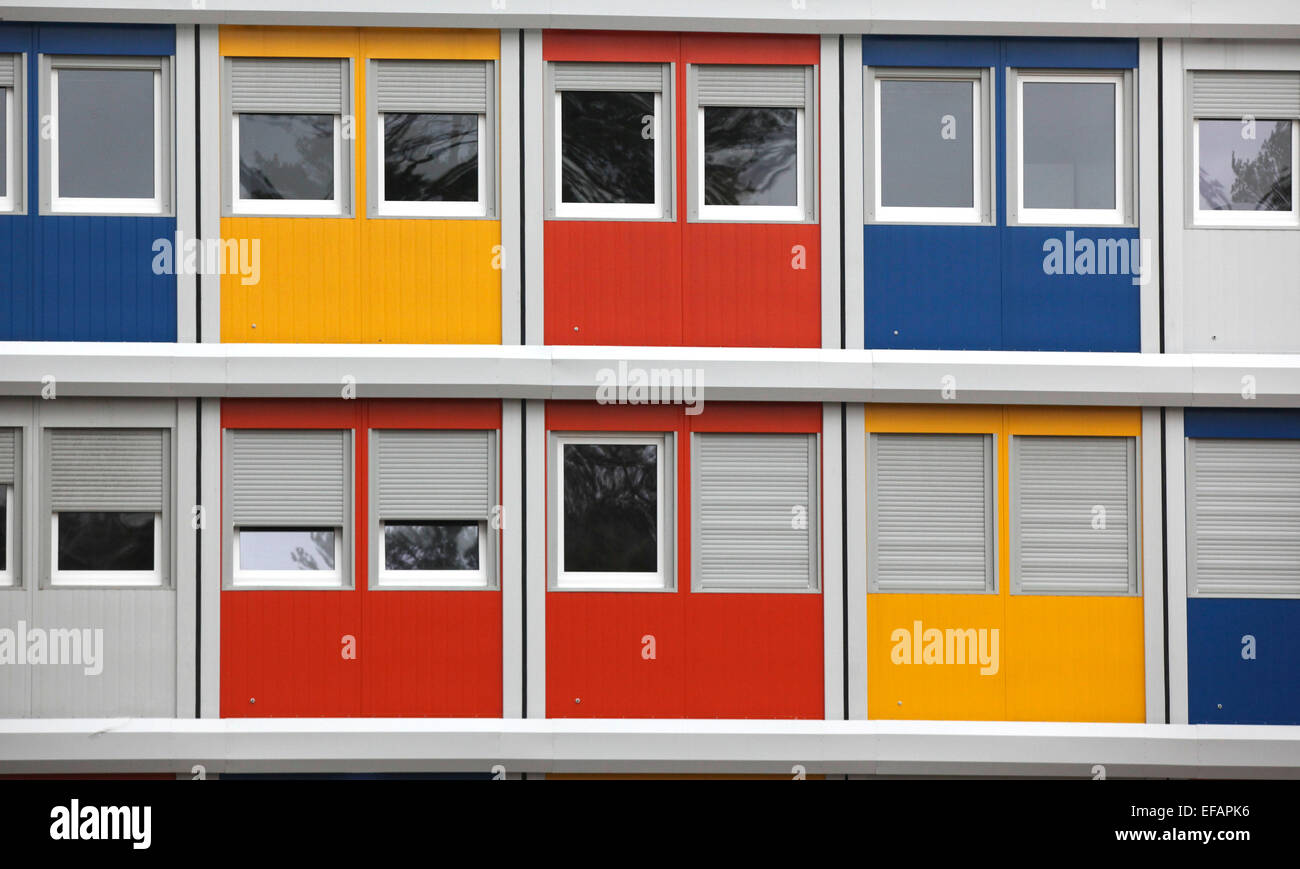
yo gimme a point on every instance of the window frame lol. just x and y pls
(161, 205)
(287, 579)
(982, 212)
(15, 108)
(664, 579)
(1211, 219)
(1124, 212)
(107, 578)
(8, 569)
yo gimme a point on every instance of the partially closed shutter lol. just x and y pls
(433, 474)
(291, 85)
(930, 513)
(633, 77)
(755, 511)
(1243, 517)
(7, 469)
(432, 86)
(288, 478)
(106, 470)
(1073, 519)
(1235, 94)
(7, 64)
(767, 86)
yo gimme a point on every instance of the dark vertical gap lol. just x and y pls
(1164, 551)
(198, 192)
(198, 402)
(523, 211)
(843, 228)
(1164, 446)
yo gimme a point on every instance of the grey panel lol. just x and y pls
(15, 681)
(288, 478)
(609, 76)
(6, 455)
(923, 162)
(1060, 542)
(106, 469)
(1069, 144)
(1243, 517)
(106, 129)
(287, 85)
(752, 86)
(432, 86)
(433, 474)
(7, 62)
(930, 513)
(1233, 94)
(749, 490)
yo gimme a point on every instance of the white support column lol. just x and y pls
(828, 208)
(1153, 591)
(535, 555)
(533, 189)
(1175, 235)
(855, 532)
(186, 536)
(854, 130)
(832, 560)
(1176, 535)
(512, 554)
(509, 177)
(209, 173)
(187, 110)
(1148, 166)
(209, 430)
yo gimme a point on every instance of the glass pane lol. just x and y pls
(607, 147)
(106, 133)
(927, 144)
(106, 541)
(750, 156)
(1069, 144)
(431, 546)
(1245, 167)
(611, 506)
(430, 158)
(286, 157)
(4, 142)
(286, 549)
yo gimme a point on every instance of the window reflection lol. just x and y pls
(430, 157)
(431, 545)
(750, 156)
(286, 549)
(1245, 167)
(286, 156)
(611, 508)
(607, 147)
(105, 541)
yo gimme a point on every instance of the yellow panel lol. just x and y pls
(254, 41)
(430, 43)
(1075, 659)
(1078, 421)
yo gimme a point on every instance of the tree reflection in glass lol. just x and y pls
(105, 541)
(286, 156)
(750, 156)
(431, 545)
(286, 548)
(611, 508)
(430, 157)
(1241, 173)
(607, 148)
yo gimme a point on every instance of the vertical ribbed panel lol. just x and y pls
(432, 86)
(296, 478)
(1073, 515)
(1243, 517)
(307, 85)
(930, 513)
(1236, 93)
(7, 439)
(433, 474)
(756, 511)
(106, 469)
(752, 86)
(633, 77)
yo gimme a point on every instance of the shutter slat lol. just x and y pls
(288, 478)
(290, 85)
(1243, 524)
(432, 86)
(7, 448)
(106, 470)
(767, 86)
(748, 486)
(632, 77)
(1234, 94)
(434, 474)
(7, 64)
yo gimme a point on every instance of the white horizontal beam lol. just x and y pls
(1221, 19)
(73, 369)
(529, 745)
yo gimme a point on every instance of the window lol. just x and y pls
(109, 144)
(612, 497)
(1243, 518)
(287, 494)
(930, 513)
(434, 122)
(929, 161)
(107, 494)
(755, 509)
(286, 148)
(433, 493)
(610, 152)
(12, 113)
(1072, 139)
(8, 478)
(1074, 515)
(1245, 144)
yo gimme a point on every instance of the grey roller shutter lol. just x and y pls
(291, 85)
(433, 474)
(106, 469)
(7, 468)
(7, 63)
(1061, 540)
(455, 86)
(930, 513)
(755, 511)
(290, 478)
(777, 86)
(635, 77)
(1234, 94)
(1243, 517)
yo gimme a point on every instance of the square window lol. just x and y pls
(106, 548)
(287, 556)
(751, 156)
(287, 157)
(1245, 171)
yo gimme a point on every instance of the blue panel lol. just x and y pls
(936, 286)
(16, 37)
(1030, 53)
(1068, 310)
(1265, 690)
(1241, 423)
(929, 51)
(157, 39)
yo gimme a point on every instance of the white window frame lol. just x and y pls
(115, 578)
(335, 207)
(12, 142)
(160, 202)
(468, 579)
(1073, 216)
(976, 213)
(1257, 219)
(610, 210)
(395, 208)
(756, 213)
(607, 580)
(324, 579)
(7, 571)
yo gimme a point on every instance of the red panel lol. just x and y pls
(610, 45)
(775, 417)
(750, 48)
